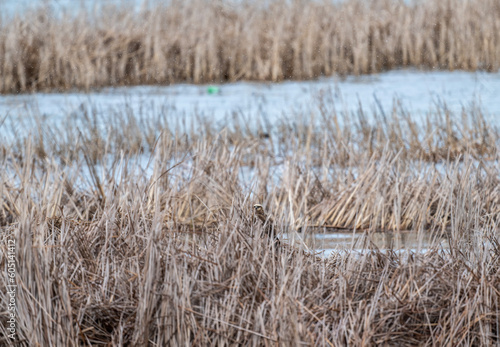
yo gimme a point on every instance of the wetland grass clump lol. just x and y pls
(112, 249)
(139, 268)
(200, 41)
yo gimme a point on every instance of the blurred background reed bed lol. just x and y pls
(199, 41)
(146, 235)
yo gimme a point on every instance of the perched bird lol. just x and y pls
(269, 226)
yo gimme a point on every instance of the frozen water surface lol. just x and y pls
(417, 91)
(331, 242)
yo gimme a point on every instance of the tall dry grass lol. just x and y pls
(215, 41)
(112, 250)
(337, 163)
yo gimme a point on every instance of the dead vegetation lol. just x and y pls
(200, 41)
(113, 250)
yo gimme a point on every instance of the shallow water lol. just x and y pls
(417, 91)
(330, 242)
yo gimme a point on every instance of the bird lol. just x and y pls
(267, 221)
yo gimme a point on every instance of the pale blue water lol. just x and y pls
(417, 91)
(329, 243)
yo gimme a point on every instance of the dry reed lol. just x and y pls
(216, 41)
(113, 252)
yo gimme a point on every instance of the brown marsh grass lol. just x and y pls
(200, 41)
(112, 251)
(323, 168)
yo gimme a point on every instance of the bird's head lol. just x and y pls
(258, 208)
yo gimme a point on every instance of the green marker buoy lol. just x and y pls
(213, 90)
